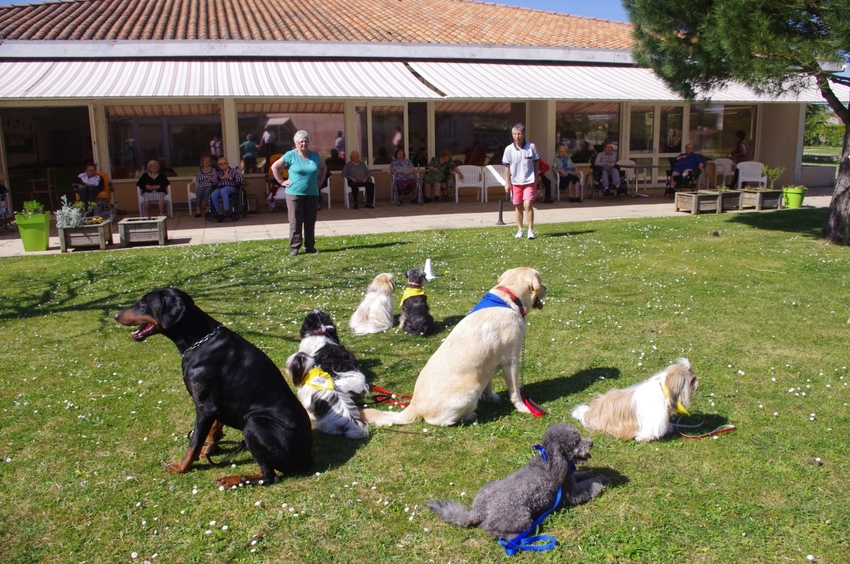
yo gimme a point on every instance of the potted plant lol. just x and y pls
(34, 226)
(794, 196)
(77, 230)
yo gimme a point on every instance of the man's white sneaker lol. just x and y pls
(518, 234)
(531, 234)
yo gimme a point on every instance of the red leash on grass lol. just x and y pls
(386, 396)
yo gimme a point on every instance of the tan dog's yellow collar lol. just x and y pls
(318, 379)
(679, 407)
(411, 292)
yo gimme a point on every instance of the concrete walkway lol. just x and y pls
(387, 218)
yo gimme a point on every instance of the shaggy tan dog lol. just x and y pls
(642, 411)
(460, 372)
(375, 312)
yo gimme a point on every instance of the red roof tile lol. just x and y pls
(462, 22)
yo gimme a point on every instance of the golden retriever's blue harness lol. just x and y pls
(524, 542)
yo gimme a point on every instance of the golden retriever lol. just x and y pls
(460, 372)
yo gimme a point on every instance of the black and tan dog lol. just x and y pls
(232, 382)
(415, 316)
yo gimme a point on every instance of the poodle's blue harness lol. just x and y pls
(524, 542)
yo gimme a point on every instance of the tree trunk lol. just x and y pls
(837, 226)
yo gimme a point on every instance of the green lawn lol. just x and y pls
(88, 418)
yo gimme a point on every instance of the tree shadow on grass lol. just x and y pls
(807, 222)
(361, 247)
(568, 233)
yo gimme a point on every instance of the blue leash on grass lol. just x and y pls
(524, 542)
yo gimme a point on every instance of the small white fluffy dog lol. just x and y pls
(642, 411)
(333, 411)
(460, 372)
(375, 312)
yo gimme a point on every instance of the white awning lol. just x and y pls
(493, 81)
(206, 79)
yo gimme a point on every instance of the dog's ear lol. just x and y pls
(538, 290)
(172, 307)
(680, 381)
(298, 365)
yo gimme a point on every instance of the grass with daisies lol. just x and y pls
(757, 302)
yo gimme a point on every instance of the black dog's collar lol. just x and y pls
(202, 341)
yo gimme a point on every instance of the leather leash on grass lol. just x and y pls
(718, 431)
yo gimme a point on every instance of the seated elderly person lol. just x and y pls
(437, 174)
(686, 164)
(606, 161)
(225, 184)
(356, 173)
(404, 174)
(88, 185)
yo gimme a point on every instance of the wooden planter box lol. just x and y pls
(142, 230)
(729, 199)
(94, 235)
(698, 202)
(761, 199)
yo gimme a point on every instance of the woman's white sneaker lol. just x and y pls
(531, 234)
(518, 234)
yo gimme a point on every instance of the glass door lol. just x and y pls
(655, 135)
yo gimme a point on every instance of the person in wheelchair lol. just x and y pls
(225, 185)
(686, 167)
(606, 166)
(404, 174)
(437, 176)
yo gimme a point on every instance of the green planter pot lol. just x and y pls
(35, 231)
(794, 196)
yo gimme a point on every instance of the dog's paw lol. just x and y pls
(176, 468)
(521, 407)
(490, 397)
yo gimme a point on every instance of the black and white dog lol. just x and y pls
(333, 410)
(320, 341)
(415, 316)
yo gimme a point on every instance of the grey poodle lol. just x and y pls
(508, 507)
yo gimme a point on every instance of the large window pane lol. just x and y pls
(641, 128)
(417, 125)
(176, 135)
(584, 128)
(321, 120)
(671, 129)
(713, 127)
(461, 126)
(387, 132)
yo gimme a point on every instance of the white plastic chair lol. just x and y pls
(556, 179)
(722, 168)
(362, 190)
(750, 171)
(167, 199)
(472, 178)
(192, 195)
(494, 175)
(327, 187)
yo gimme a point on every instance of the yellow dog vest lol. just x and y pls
(410, 292)
(318, 379)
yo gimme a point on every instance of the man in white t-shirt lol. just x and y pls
(522, 168)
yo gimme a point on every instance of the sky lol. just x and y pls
(603, 9)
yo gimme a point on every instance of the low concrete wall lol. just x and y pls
(817, 176)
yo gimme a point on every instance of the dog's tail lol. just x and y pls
(454, 513)
(385, 418)
(579, 412)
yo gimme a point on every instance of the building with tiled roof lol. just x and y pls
(122, 82)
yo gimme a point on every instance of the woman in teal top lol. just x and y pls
(306, 174)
